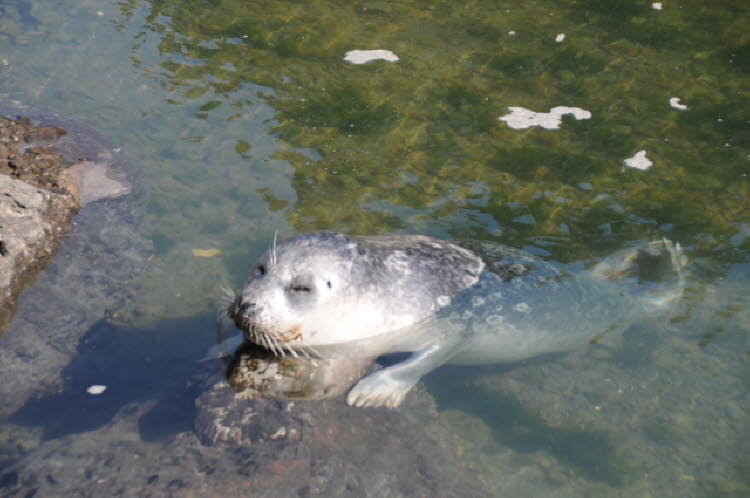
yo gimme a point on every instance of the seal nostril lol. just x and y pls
(239, 306)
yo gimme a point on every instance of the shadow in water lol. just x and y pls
(590, 453)
(134, 365)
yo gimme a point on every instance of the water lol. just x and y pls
(247, 120)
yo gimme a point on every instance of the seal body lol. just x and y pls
(335, 295)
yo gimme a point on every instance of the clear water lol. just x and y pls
(247, 120)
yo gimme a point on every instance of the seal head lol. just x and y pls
(325, 288)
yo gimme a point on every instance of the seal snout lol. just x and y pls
(242, 306)
(245, 315)
(239, 310)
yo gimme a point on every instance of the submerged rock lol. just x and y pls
(289, 416)
(269, 448)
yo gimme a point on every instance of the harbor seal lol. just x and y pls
(332, 295)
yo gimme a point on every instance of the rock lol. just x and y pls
(256, 372)
(31, 220)
(320, 448)
(325, 446)
(100, 253)
(33, 209)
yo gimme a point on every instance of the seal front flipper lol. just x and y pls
(388, 387)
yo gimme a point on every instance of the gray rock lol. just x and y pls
(30, 220)
(320, 448)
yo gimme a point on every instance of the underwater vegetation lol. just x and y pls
(417, 144)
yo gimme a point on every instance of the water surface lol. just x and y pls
(247, 120)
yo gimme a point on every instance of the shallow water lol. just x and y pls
(247, 120)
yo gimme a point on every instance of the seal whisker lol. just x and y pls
(282, 353)
(265, 341)
(277, 349)
(311, 351)
(292, 351)
(302, 351)
(222, 313)
(228, 293)
(273, 247)
(258, 337)
(272, 345)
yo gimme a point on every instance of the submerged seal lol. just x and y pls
(332, 295)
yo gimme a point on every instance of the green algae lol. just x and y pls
(421, 133)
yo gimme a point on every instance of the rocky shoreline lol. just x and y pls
(67, 192)
(37, 201)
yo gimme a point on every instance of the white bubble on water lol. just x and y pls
(96, 389)
(520, 118)
(639, 161)
(365, 56)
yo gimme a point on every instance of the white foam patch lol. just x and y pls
(365, 56)
(656, 5)
(469, 280)
(443, 300)
(477, 301)
(399, 262)
(674, 102)
(520, 118)
(638, 161)
(96, 389)
(521, 307)
(559, 38)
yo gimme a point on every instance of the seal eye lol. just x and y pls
(329, 284)
(300, 288)
(261, 270)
